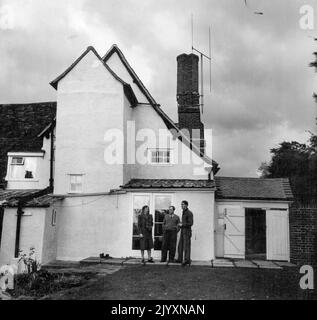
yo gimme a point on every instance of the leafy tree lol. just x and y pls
(295, 161)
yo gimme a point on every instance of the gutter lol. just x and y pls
(77, 195)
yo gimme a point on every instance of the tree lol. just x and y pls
(295, 161)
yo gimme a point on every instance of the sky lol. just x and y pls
(261, 85)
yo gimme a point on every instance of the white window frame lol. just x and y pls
(70, 175)
(151, 150)
(13, 163)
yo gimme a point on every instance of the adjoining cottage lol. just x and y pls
(72, 197)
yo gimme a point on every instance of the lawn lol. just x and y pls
(194, 283)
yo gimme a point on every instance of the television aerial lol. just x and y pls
(202, 57)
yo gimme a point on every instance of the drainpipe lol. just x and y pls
(51, 182)
(18, 230)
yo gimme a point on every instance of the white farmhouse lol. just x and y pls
(110, 150)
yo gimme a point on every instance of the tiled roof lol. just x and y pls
(168, 183)
(35, 198)
(20, 125)
(253, 188)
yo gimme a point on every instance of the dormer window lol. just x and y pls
(160, 156)
(22, 166)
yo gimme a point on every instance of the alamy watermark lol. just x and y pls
(307, 280)
(171, 147)
(306, 21)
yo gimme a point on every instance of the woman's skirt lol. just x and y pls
(146, 242)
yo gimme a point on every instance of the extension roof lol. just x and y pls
(253, 188)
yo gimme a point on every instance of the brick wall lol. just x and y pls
(19, 126)
(303, 234)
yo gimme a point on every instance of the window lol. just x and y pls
(19, 161)
(138, 202)
(161, 205)
(158, 204)
(160, 156)
(76, 183)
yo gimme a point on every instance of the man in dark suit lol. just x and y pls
(186, 234)
(170, 228)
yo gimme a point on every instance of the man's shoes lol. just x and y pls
(163, 260)
(178, 261)
(151, 260)
(186, 263)
(172, 261)
(166, 264)
(143, 261)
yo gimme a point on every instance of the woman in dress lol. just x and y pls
(145, 225)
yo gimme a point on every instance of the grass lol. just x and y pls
(193, 283)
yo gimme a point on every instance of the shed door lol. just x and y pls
(277, 235)
(234, 237)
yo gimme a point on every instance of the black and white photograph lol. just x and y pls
(158, 155)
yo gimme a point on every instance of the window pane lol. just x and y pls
(138, 203)
(158, 229)
(161, 203)
(17, 160)
(158, 243)
(159, 215)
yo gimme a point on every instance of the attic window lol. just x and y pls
(22, 168)
(18, 161)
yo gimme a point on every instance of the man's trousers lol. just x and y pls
(169, 244)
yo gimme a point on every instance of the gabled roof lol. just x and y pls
(127, 88)
(253, 188)
(166, 119)
(168, 183)
(136, 79)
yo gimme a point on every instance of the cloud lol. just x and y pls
(261, 82)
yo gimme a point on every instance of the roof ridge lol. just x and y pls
(139, 83)
(92, 49)
(249, 178)
(26, 103)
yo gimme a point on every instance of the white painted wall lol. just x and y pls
(32, 233)
(88, 226)
(42, 173)
(145, 117)
(89, 102)
(238, 205)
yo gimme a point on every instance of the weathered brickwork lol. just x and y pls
(19, 126)
(188, 97)
(303, 234)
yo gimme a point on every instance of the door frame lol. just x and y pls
(152, 195)
(264, 212)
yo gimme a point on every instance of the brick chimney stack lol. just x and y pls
(188, 98)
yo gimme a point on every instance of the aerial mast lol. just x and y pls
(202, 56)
